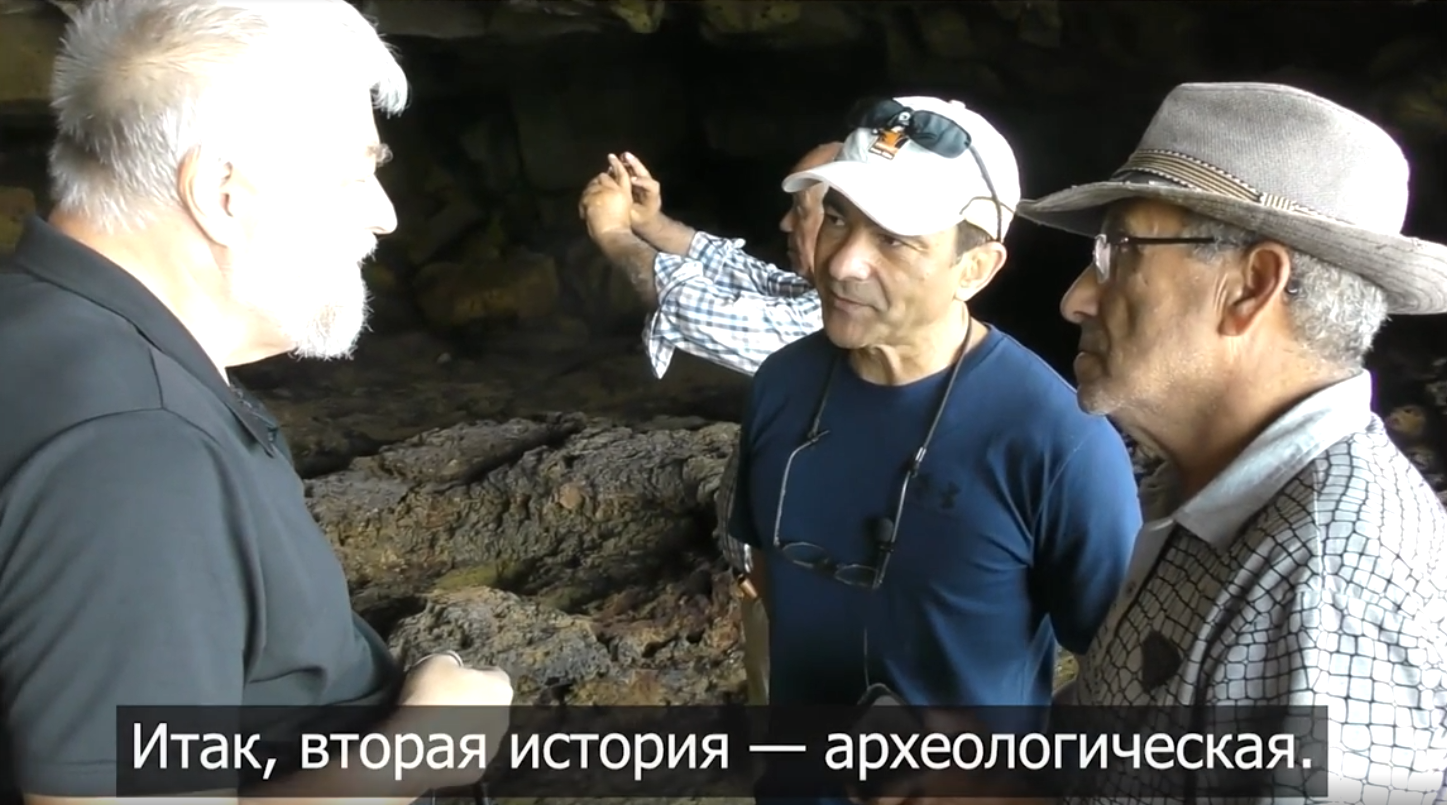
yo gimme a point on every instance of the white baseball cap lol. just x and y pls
(911, 190)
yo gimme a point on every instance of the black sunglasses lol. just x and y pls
(883, 531)
(931, 131)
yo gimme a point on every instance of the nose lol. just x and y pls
(381, 214)
(786, 224)
(1082, 299)
(848, 263)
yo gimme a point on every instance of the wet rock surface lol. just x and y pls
(573, 551)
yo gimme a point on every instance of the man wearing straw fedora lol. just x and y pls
(1245, 256)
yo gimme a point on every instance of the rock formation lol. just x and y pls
(573, 552)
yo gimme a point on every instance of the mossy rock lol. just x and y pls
(27, 55)
(523, 287)
(469, 577)
(749, 16)
(643, 16)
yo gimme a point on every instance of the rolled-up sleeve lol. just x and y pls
(727, 307)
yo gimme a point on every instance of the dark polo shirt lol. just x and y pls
(155, 544)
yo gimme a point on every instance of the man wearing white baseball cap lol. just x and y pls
(930, 509)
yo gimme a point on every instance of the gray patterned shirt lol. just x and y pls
(1311, 573)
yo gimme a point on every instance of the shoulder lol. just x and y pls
(1017, 374)
(123, 462)
(788, 377)
(1032, 406)
(1363, 515)
(66, 360)
(798, 362)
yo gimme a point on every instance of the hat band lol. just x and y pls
(1205, 177)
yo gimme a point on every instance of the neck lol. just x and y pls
(164, 258)
(1205, 437)
(931, 352)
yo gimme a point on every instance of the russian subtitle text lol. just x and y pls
(401, 752)
(638, 752)
(209, 751)
(641, 752)
(864, 753)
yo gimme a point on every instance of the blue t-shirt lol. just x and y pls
(1016, 533)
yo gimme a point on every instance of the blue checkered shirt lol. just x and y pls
(723, 305)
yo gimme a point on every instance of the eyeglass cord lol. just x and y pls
(918, 460)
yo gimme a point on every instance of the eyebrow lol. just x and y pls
(835, 202)
(380, 153)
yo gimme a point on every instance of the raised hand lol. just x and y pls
(645, 190)
(606, 204)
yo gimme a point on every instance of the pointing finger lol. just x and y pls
(620, 173)
(648, 185)
(637, 164)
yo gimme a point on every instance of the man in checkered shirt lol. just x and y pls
(710, 298)
(1245, 256)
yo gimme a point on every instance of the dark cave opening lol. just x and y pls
(719, 119)
(516, 105)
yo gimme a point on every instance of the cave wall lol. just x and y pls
(517, 103)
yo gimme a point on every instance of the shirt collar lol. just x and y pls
(48, 254)
(1217, 513)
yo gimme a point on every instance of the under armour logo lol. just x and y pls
(947, 497)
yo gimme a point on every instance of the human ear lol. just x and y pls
(216, 195)
(1262, 277)
(980, 265)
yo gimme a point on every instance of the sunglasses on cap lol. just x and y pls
(929, 130)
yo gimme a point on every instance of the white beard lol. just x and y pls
(318, 303)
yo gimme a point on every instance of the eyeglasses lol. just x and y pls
(931, 131)
(1106, 245)
(884, 531)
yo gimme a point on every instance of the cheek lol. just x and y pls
(1131, 324)
(809, 226)
(825, 245)
(1154, 340)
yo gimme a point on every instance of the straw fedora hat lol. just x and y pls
(1281, 162)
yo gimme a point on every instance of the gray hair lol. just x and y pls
(140, 84)
(1335, 314)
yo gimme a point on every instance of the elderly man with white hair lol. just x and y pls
(215, 191)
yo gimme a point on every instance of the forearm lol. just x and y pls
(636, 259)
(667, 235)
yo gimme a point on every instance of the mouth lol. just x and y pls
(1090, 346)
(1086, 365)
